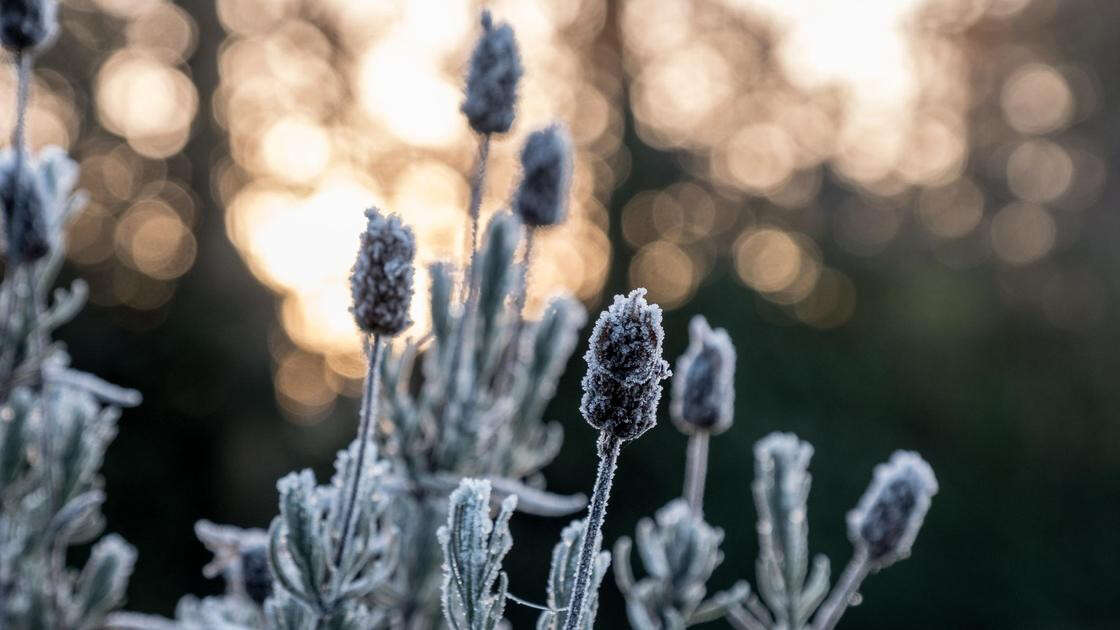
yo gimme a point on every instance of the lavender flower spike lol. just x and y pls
(887, 519)
(704, 381)
(495, 69)
(381, 280)
(24, 200)
(624, 369)
(546, 164)
(27, 24)
(620, 394)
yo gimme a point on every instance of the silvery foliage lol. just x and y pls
(882, 528)
(55, 423)
(311, 590)
(473, 549)
(470, 402)
(468, 399)
(562, 578)
(680, 551)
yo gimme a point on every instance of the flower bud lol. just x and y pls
(381, 280)
(888, 517)
(495, 68)
(624, 368)
(255, 574)
(27, 24)
(704, 381)
(24, 200)
(546, 164)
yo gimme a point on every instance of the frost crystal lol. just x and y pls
(704, 381)
(495, 68)
(887, 519)
(624, 368)
(27, 24)
(381, 280)
(546, 164)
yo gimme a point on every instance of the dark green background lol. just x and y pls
(1020, 420)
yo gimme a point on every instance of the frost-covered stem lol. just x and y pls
(593, 533)
(741, 619)
(696, 471)
(23, 89)
(523, 284)
(478, 181)
(841, 597)
(365, 429)
(511, 352)
(23, 70)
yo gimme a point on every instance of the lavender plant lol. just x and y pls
(620, 394)
(55, 421)
(473, 549)
(451, 427)
(679, 549)
(882, 528)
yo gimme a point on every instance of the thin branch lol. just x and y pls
(696, 470)
(369, 411)
(593, 533)
(845, 590)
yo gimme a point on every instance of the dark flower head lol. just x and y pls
(546, 164)
(24, 200)
(495, 69)
(624, 368)
(255, 574)
(27, 24)
(381, 280)
(888, 517)
(704, 381)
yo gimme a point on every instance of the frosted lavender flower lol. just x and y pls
(24, 199)
(546, 164)
(495, 68)
(624, 368)
(704, 381)
(27, 24)
(381, 280)
(890, 513)
(255, 573)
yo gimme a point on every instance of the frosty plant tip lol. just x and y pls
(620, 394)
(703, 401)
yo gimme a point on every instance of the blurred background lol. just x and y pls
(901, 210)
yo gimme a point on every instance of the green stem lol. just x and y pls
(593, 530)
(696, 471)
(365, 430)
(842, 594)
(478, 182)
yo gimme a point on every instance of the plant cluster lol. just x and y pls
(55, 421)
(411, 530)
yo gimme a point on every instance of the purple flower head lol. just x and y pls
(381, 280)
(492, 77)
(704, 381)
(887, 519)
(546, 165)
(624, 368)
